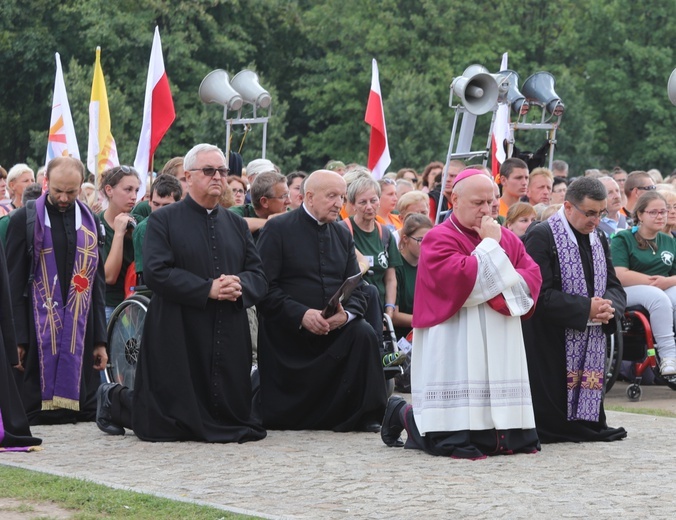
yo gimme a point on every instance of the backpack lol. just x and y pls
(383, 233)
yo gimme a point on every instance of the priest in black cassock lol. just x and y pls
(14, 429)
(193, 373)
(57, 287)
(579, 302)
(315, 373)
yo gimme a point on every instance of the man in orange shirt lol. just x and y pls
(514, 181)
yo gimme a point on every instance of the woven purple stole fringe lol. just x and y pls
(585, 350)
(61, 325)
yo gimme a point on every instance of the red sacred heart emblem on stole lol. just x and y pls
(81, 283)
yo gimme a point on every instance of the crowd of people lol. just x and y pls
(510, 282)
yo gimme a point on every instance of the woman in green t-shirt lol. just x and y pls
(644, 262)
(120, 185)
(415, 228)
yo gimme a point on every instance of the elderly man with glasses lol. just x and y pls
(580, 299)
(193, 373)
(269, 197)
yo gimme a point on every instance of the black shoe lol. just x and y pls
(391, 430)
(104, 418)
(370, 426)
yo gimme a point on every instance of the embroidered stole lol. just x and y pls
(61, 323)
(585, 350)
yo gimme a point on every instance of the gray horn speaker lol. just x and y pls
(477, 89)
(246, 83)
(671, 87)
(514, 97)
(540, 89)
(215, 88)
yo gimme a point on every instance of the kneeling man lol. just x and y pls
(316, 373)
(469, 378)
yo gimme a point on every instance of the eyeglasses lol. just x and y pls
(591, 214)
(416, 239)
(283, 197)
(210, 171)
(239, 191)
(655, 212)
(387, 180)
(647, 188)
(118, 171)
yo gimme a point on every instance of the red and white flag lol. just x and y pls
(379, 151)
(158, 113)
(500, 131)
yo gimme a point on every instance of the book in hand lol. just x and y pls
(342, 294)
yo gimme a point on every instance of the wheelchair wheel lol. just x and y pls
(125, 329)
(614, 352)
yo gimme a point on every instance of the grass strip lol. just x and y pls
(90, 501)
(644, 411)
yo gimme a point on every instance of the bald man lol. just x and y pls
(316, 372)
(469, 377)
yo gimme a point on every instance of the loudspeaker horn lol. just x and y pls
(671, 87)
(513, 96)
(477, 89)
(216, 88)
(540, 88)
(246, 83)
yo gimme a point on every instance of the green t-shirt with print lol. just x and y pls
(371, 246)
(660, 262)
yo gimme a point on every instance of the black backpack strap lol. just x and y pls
(31, 214)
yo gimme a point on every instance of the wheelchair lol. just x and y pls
(125, 331)
(633, 341)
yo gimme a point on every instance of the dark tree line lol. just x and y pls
(611, 59)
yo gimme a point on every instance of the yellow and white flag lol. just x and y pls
(102, 151)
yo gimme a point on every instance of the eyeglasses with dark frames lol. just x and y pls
(210, 171)
(647, 188)
(591, 214)
(416, 239)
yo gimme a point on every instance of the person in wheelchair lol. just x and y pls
(644, 262)
(165, 190)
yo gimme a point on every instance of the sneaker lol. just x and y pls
(104, 417)
(394, 359)
(668, 367)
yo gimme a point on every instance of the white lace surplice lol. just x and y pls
(470, 372)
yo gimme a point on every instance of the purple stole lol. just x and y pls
(61, 324)
(585, 350)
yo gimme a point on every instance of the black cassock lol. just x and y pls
(193, 374)
(14, 420)
(333, 382)
(545, 344)
(65, 242)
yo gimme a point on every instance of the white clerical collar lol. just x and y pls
(78, 217)
(312, 216)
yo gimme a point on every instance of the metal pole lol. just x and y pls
(448, 160)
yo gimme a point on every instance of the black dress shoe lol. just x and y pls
(370, 426)
(392, 427)
(104, 418)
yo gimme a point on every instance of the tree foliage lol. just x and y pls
(611, 60)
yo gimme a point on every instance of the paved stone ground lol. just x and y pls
(329, 475)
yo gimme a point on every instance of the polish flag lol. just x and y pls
(158, 113)
(500, 131)
(379, 151)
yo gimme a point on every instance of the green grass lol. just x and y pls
(644, 411)
(89, 501)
